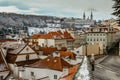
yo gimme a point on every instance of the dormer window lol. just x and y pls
(55, 60)
(48, 59)
(106, 31)
(103, 30)
(95, 30)
(99, 30)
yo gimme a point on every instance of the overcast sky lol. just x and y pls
(102, 9)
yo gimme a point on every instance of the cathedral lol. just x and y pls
(80, 22)
(91, 16)
(85, 21)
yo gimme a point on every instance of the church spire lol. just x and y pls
(91, 16)
(84, 16)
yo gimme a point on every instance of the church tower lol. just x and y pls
(84, 16)
(91, 16)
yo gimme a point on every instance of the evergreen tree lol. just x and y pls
(116, 12)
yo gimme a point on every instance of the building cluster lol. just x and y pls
(54, 39)
(23, 60)
(55, 55)
(13, 24)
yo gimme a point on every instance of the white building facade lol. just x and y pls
(101, 35)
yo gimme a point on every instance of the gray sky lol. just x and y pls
(102, 9)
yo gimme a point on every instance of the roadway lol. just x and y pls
(108, 69)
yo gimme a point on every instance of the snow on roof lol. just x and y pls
(34, 30)
(54, 63)
(86, 26)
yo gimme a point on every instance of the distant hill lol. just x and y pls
(12, 23)
(21, 20)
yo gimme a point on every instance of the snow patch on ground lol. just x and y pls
(83, 72)
(34, 30)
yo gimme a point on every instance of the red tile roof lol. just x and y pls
(67, 35)
(70, 54)
(44, 36)
(53, 35)
(48, 50)
(72, 72)
(54, 63)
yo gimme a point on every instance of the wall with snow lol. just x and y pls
(51, 42)
(42, 41)
(41, 73)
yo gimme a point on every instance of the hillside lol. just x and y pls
(20, 20)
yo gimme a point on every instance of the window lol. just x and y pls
(88, 39)
(91, 39)
(32, 73)
(43, 45)
(55, 76)
(27, 57)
